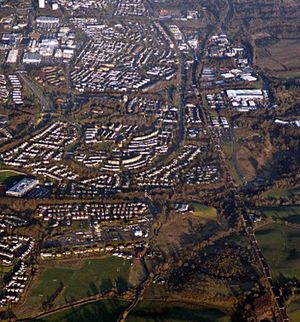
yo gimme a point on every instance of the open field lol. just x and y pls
(281, 247)
(281, 193)
(80, 279)
(104, 311)
(288, 213)
(203, 211)
(281, 58)
(293, 311)
(154, 311)
(229, 151)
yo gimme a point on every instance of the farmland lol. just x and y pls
(283, 255)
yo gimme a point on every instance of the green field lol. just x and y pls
(159, 311)
(104, 311)
(293, 311)
(281, 193)
(7, 177)
(287, 213)
(281, 247)
(87, 278)
(229, 151)
(203, 211)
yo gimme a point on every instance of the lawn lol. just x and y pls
(159, 311)
(281, 247)
(8, 177)
(293, 311)
(86, 278)
(204, 211)
(287, 213)
(104, 311)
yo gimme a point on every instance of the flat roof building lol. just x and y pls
(32, 58)
(22, 187)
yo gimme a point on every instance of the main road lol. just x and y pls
(37, 91)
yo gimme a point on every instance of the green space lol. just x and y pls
(8, 177)
(281, 247)
(104, 311)
(287, 213)
(162, 311)
(281, 193)
(86, 278)
(230, 151)
(204, 211)
(293, 311)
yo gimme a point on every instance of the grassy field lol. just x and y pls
(229, 151)
(7, 177)
(83, 279)
(104, 311)
(158, 311)
(287, 213)
(281, 193)
(279, 60)
(203, 211)
(281, 247)
(293, 311)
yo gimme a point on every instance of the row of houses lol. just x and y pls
(4, 92)
(42, 148)
(121, 57)
(14, 288)
(127, 8)
(14, 247)
(204, 174)
(17, 89)
(94, 212)
(168, 175)
(78, 5)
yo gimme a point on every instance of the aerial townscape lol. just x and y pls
(150, 160)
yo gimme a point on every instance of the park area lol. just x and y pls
(281, 247)
(74, 280)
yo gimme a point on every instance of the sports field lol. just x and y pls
(286, 213)
(81, 279)
(152, 311)
(281, 247)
